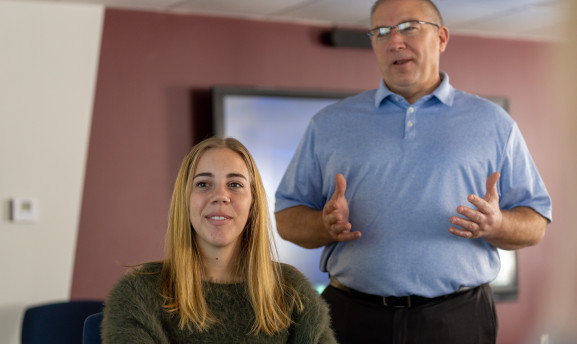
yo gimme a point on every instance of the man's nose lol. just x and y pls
(396, 39)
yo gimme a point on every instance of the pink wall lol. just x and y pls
(523, 72)
(151, 105)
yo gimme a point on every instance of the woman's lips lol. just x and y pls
(218, 217)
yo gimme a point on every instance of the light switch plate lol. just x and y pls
(24, 210)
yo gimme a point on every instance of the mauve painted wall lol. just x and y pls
(525, 73)
(152, 104)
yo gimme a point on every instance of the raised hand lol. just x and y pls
(336, 213)
(483, 222)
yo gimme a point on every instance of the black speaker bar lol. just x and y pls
(347, 38)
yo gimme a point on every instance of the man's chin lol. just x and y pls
(400, 85)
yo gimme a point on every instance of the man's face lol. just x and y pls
(409, 63)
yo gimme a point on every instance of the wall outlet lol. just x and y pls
(24, 210)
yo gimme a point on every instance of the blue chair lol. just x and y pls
(92, 329)
(57, 323)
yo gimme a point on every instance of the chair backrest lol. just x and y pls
(92, 329)
(58, 323)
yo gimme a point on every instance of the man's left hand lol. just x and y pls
(483, 222)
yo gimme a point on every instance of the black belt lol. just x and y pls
(395, 301)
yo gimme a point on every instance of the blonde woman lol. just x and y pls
(219, 282)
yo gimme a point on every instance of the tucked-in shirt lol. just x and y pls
(408, 167)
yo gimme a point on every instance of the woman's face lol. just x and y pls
(220, 199)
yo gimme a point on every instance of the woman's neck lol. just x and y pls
(220, 266)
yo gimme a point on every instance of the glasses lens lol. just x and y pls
(379, 32)
(409, 28)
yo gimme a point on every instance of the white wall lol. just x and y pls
(48, 64)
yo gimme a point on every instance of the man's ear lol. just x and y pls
(443, 33)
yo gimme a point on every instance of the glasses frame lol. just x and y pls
(389, 29)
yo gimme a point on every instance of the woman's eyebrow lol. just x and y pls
(236, 175)
(230, 175)
(203, 174)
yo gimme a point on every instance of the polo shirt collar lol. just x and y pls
(445, 93)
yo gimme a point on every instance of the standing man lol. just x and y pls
(411, 188)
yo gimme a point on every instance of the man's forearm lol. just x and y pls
(303, 226)
(522, 227)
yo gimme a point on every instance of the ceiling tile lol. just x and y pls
(343, 12)
(531, 19)
(241, 7)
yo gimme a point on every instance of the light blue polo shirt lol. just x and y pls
(407, 168)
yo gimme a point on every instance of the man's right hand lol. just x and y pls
(336, 213)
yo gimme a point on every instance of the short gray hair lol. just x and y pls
(429, 3)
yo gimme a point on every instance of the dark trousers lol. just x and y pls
(468, 317)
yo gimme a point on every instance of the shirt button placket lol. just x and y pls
(410, 123)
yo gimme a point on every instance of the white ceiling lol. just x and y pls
(520, 19)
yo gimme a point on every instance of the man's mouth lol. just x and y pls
(401, 61)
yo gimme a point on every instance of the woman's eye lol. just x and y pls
(201, 184)
(235, 185)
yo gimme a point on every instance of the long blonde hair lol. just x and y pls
(271, 297)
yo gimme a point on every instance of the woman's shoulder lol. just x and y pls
(150, 268)
(139, 288)
(296, 278)
(134, 307)
(312, 323)
(290, 271)
(140, 278)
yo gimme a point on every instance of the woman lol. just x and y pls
(218, 282)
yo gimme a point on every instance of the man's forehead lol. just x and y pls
(394, 12)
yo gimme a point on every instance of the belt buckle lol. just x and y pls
(408, 305)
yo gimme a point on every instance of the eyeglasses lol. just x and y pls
(408, 29)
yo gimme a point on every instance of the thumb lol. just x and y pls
(492, 193)
(341, 186)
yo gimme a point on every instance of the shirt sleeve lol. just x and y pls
(520, 182)
(302, 182)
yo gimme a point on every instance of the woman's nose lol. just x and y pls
(220, 195)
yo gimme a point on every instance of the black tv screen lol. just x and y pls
(270, 122)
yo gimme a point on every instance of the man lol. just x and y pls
(411, 188)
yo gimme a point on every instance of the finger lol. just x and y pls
(338, 228)
(457, 221)
(492, 193)
(470, 224)
(483, 206)
(460, 233)
(334, 218)
(469, 213)
(330, 207)
(341, 186)
(348, 236)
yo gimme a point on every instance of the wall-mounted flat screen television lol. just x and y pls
(270, 122)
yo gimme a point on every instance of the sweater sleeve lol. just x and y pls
(312, 325)
(132, 312)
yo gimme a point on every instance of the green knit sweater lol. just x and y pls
(134, 313)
